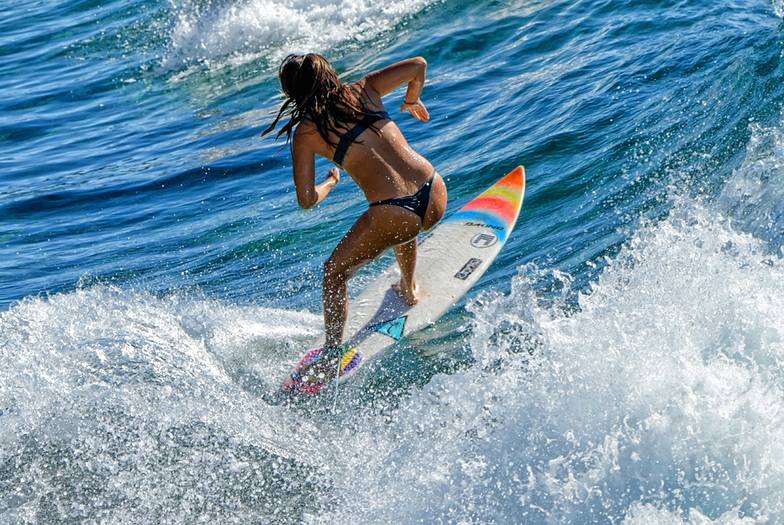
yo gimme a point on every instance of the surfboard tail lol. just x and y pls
(300, 382)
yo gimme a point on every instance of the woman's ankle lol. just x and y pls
(335, 350)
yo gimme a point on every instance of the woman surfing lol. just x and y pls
(348, 125)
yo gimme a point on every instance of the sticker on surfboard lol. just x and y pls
(393, 328)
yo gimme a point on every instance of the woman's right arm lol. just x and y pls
(303, 166)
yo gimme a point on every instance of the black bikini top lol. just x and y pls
(348, 138)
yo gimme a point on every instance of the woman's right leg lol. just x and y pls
(406, 254)
(406, 259)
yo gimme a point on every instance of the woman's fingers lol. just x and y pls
(417, 109)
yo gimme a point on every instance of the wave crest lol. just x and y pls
(228, 32)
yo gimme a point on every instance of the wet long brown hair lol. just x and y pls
(314, 91)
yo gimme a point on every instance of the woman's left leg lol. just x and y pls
(376, 230)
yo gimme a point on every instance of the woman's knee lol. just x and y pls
(335, 272)
(338, 271)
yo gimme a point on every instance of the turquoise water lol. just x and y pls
(620, 363)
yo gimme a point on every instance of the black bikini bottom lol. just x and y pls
(417, 202)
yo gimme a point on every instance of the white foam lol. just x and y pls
(641, 514)
(216, 33)
(123, 407)
(659, 400)
(171, 359)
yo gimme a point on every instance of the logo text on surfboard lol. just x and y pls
(484, 225)
(468, 268)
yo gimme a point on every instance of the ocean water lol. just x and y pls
(620, 363)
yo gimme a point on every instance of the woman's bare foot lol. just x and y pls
(410, 295)
(322, 369)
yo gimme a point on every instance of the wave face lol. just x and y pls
(620, 363)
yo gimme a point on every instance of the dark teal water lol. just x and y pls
(619, 363)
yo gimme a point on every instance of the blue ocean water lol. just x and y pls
(620, 363)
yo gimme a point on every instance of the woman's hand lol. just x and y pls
(417, 109)
(335, 174)
(330, 181)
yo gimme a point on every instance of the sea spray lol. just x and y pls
(219, 33)
(657, 398)
(123, 407)
(754, 194)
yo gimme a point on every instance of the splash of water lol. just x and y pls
(754, 196)
(656, 398)
(218, 33)
(121, 407)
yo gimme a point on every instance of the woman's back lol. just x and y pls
(380, 160)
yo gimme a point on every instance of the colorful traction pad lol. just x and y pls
(303, 384)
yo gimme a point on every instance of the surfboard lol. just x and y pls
(450, 259)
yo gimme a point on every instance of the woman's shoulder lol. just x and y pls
(306, 126)
(366, 94)
(306, 131)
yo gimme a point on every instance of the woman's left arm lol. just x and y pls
(411, 71)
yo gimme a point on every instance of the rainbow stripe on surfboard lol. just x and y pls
(498, 206)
